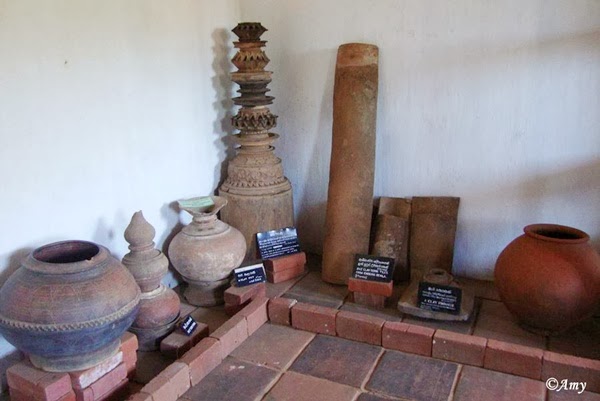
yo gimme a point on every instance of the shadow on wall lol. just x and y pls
(311, 218)
(223, 105)
(14, 261)
(170, 212)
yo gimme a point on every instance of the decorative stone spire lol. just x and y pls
(255, 175)
(159, 305)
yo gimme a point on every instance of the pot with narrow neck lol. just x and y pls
(206, 251)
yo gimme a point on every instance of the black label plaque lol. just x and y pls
(373, 268)
(439, 298)
(188, 325)
(248, 275)
(275, 243)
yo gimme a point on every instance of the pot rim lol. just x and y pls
(575, 235)
(35, 260)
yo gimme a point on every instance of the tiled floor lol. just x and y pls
(323, 368)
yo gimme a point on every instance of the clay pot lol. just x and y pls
(68, 305)
(549, 278)
(205, 252)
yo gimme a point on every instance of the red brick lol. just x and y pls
(231, 310)
(457, 347)
(16, 395)
(561, 366)
(203, 358)
(178, 343)
(371, 287)
(359, 327)
(255, 314)
(280, 310)
(129, 343)
(86, 394)
(231, 334)
(118, 393)
(170, 384)
(314, 318)
(514, 359)
(294, 261)
(285, 275)
(371, 300)
(107, 383)
(407, 338)
(240, 295)
(83, 378)
(131, 364)
(36, 383)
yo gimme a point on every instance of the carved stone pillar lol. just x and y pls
(259, 195)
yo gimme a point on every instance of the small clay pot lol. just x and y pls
(157, 308)
(549, 277)
(68, 305)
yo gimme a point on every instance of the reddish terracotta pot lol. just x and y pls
(68, 305)
(549, 277)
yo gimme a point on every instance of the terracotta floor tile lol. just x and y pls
(233, 380)
(311, 289)
(150, 364)
(582, 340)
(273, 346)
(277, 290)
(481, 384)
(297, 387)
(413, 377)
(572, 396)
(495, 321)
(456, 327)
(214, 316)
(389, 313)
(336, 359)
(374, 397)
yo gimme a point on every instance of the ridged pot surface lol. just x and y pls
(549, 277)
(67, 305)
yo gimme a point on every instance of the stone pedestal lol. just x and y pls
(352, 168)
(259, 195)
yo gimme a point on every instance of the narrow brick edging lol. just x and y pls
(518, 360)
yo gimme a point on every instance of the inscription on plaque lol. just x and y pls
(373, 268)
(439, 298)
(276, 243)
(188, 325)
(248, 275)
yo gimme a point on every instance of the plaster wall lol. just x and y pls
(495, 102)
(108, 107)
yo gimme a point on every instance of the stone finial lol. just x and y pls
(139, 233)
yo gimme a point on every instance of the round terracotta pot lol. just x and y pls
(67, 305)
(205, 252)
(549, 277)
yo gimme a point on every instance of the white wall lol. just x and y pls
(108, 107)
(495, 102)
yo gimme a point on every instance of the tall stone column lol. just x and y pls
(352, 166)
(259, 195)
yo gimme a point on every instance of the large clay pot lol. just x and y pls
(68, 305)
(549, 278)
(205, 252)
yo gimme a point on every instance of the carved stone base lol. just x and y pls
(207, 293)
(257, 213)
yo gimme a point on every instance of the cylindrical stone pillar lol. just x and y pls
(352, 168)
